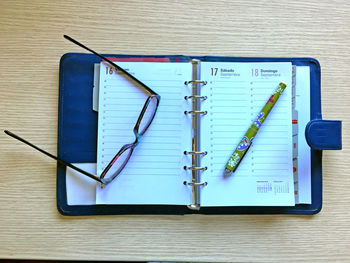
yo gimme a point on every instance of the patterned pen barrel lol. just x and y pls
(247, 140)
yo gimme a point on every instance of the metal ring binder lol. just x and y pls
(196, 184)
(196, 97)
(194, 168)
(196, 81)
(193, 153)
(195, 112)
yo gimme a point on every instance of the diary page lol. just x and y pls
(236, 94)
(154, 174)
(302, 106)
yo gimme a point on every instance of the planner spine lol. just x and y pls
(196, 152)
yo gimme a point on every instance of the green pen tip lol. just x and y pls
(227, 172)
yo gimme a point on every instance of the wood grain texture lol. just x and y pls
(31, 45)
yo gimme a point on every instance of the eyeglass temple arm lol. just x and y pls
(112, 63)
(54, 157)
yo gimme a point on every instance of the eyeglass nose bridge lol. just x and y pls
(138, 137)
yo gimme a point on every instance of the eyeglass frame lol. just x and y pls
(125, 147)
(138, 135)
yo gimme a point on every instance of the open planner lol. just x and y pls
(206, 106)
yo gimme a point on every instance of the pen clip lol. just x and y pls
(240, 159)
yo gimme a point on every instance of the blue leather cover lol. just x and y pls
(324, 134)
(77, 134)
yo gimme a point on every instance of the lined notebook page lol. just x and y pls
(236, 94)
(302, 101)
(154, 174)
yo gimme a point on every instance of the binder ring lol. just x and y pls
(196, 97)
(196, 81)
(195, 112)
(196, 184)
(194, 153)
(195, 168)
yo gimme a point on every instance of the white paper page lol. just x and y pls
(154, 174)
(236, 94)
(302, 102)
(81, 190)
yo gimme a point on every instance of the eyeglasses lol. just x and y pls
(119, 161)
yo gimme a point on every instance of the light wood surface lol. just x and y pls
(31, 45)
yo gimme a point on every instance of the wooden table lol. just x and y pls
(31, 45)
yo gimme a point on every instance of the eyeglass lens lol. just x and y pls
(118, 163)
(148, 115)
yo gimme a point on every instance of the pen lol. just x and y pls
(247, 140)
